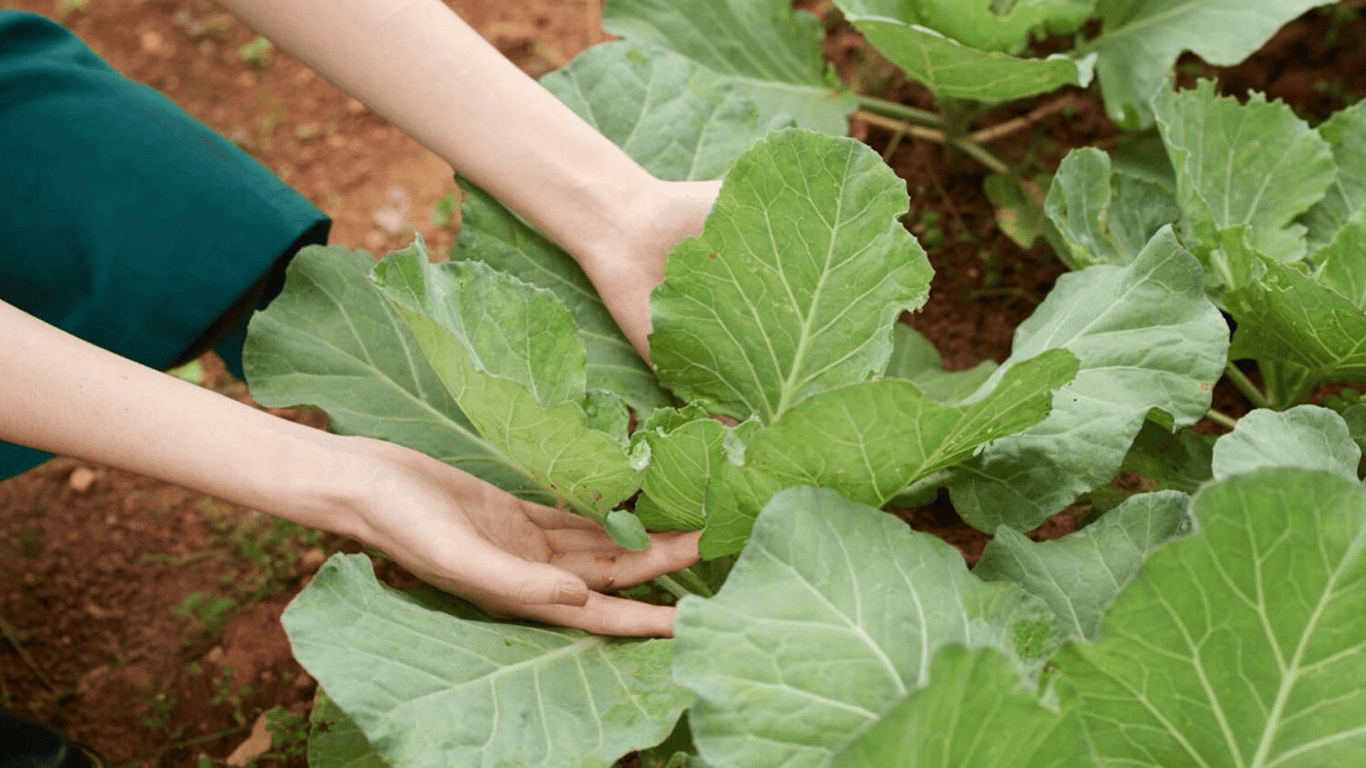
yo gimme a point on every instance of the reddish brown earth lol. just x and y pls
(123, 601)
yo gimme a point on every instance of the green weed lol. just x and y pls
(192, 372)
(929, 230)
(256, 53)
(288, 734)
(160, 708)
(225, 693)
(446, 212)
(212, 611)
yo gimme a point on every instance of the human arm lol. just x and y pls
(416, 63)
(61, 394)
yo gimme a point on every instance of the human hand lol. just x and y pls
(511, 557)
(625, 271)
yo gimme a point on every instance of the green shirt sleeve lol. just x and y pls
(127, 223)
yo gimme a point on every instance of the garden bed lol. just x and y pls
(130, 598)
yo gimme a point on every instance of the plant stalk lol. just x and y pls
(1245, 385)
(1287, 384)
(900, 126)
(972, 149)
(1015, 125)
(900, 111)
(689, 580)
(1222, 419)
(672, 587)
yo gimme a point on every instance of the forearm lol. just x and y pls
(421, 67)
(61, 394)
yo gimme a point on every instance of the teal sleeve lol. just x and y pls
(127, 223)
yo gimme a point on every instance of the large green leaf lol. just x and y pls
(872, 440)
(1345, 132)
(1104, 217)
(434, 683)
(677, 118)
(793, 286)
(915, 359)
(334, 739)
(684, 449)
(761, 46)
(1286, 316)
(985, 24)
(1147, 337)
(1243, 646)
(1342, 263)
(976, 711)
(1080, 575)
(830, 617)
(1243, 171)
(952, 69)
(331, 340)
(492, 234)
(1141, 39)
(1305, 437)
(1177, 461)
(510, 354)
(680, 121)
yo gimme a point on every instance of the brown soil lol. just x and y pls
(123, 601)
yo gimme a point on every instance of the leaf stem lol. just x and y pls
(682, 583)
(899, 111)
(1015, 125)
(693, 583)
(1221, 419)
(672, 587)
(900, 126)
(971, 148)
(1292, 383)
(1245, 385)
(984, 156)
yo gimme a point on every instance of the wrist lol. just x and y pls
(648, 221)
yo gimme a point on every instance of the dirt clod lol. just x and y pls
(255, 745)
(81, 478)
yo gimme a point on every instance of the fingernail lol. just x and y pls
(571, 594)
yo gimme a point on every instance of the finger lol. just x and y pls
(568, 540)
(605, 615)
(549, 518)
(487, 574)
(620, 568)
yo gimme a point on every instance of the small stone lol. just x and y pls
(247, 79)
(303, 680)
(257, 744)
(312, 558)
(393, 215)
(101, 613)
(215, 656)
(151, 41)
(355, 107)
(81, 479)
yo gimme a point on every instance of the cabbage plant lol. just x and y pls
(1216, 622)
